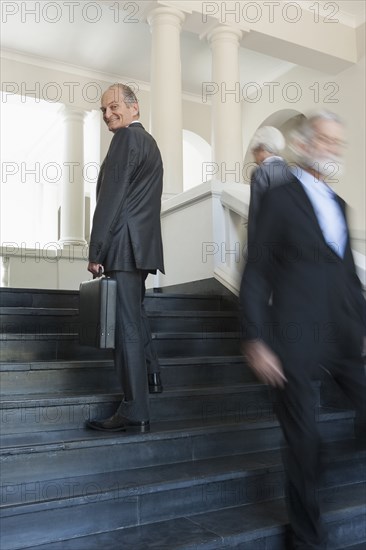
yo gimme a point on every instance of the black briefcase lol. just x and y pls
(97, 312)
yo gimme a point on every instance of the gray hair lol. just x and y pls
(306, 131)
(304, 135)
(129, 96)
(268, 138)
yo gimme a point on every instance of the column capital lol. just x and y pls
(166, 15)
(223, 33)
(73, 113)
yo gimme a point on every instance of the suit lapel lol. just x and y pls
(102, 168)
(306, 206)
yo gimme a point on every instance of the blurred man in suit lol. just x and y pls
(301, 255)
(126, 243)
(272, 170)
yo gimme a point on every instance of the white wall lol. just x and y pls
(185, 247)
(312, 90)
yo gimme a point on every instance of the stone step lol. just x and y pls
(342, 462)
(50, 347)
(45, 455)
(26, 297)
(26, 413)
(256, 526)
(137, 497)
(154, 301)
(58, 376)
(20, 320)
(23, 320)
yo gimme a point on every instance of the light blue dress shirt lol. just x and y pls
(327, 210)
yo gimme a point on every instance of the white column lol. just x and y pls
(166, 94)
(72, 197)
(227, 138)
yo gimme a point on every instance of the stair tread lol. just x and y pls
(178, 457)
(18, 310)
(163, 361)
(34, 310)
(37, 336)
(193, 313)
(213, 530)
(61, 439)
(152, 479)
(66, 397)
(158, 478)
(20, 443)
(57, 399)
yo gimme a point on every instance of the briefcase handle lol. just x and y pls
(100, 273)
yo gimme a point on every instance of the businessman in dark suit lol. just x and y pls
(126, 243)
(272, 170)
(301, 256)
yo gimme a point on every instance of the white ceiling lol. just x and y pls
(119, 43)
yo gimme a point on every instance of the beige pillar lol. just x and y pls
(72, 197)
(227, 141)
(166, 93)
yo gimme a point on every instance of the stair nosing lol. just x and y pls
(165, 430)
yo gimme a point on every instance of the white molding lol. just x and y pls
(54, 65)
(229, 282)
(183, 200)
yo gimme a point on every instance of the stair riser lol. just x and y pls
(249, 405)
(347, 471)
(206, 375)
(202, 325)
(26, 419)
(103, 378)
(90, 379)
(63, 350)
(156, 302)
(348, 531)
(332, 396)
(69, 324)
(27, 351)
(39, 298)
(39, 325)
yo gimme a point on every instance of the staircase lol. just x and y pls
(209, 474)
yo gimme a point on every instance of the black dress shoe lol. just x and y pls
(155, 385)
(118, 423)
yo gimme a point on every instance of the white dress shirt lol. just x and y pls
(327, 209)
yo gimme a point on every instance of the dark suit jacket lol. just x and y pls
(269, 174)
(126, 232)
(316, 295)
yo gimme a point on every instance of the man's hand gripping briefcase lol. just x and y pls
(97, 312)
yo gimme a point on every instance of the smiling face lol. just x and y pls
(116, 113)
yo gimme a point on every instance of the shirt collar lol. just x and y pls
(311, 183)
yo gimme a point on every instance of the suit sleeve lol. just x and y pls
(256, 283)
(118, 174)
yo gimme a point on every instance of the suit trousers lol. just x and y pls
(134, 356)
(297, 409)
